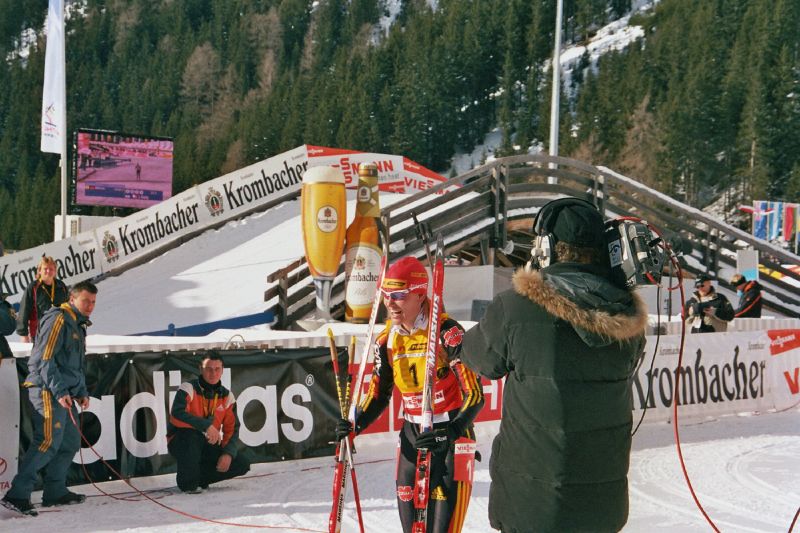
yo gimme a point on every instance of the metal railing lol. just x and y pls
(476, 207)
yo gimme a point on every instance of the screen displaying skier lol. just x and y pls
(121, 170)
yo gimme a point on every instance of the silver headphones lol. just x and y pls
(544, 242)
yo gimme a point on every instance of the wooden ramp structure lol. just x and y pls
(486, 216)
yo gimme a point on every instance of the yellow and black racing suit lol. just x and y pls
(457, 398)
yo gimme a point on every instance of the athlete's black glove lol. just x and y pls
(436, 441)
(343, 429)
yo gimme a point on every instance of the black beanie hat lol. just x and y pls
(737, 280)
(580, 226)
(702, 278)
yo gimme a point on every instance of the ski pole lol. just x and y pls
(344, 455)
(422, 475)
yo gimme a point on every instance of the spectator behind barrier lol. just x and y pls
(749, 297)
(707, 311)
(39, 297)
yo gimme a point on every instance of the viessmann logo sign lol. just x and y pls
(783, 340)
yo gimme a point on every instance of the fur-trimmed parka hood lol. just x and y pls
(599, 311)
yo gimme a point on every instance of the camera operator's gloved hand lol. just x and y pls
(437, 440)
(343, 428)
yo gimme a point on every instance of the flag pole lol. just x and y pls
(63, 60)
(556, 90)
(54, 97)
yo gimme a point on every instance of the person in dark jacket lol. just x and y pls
(8, 321)
(39, 297)
(56, 385)
(749, 297)
(567, 340)
(203, 430)
(707, 311)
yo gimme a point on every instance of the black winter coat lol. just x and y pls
(8, 320)
(5, 349)
(749, 301)
(700, 322)
(567, 341)
(36, 301)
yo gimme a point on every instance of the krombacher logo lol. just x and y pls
(213, 202)
(140, 238)
(110, 247)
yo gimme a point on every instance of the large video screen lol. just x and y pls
(121, 170)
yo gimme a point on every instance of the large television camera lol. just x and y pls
(699, 308)
(634, 252)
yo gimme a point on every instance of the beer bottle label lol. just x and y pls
(363, 267)
(367, 199)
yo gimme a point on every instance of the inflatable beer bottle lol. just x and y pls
(324, 217)
(362, 249)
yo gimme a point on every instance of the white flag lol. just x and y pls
(54, 97)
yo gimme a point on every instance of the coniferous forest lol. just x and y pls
(707, 101)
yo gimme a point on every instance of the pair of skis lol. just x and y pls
(422, 475)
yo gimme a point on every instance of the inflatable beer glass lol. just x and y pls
(324, 217)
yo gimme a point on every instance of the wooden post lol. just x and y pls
(600, 193)
(282, 313)
(499, 210)
(281, 278)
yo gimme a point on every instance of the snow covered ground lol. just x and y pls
(743, 468)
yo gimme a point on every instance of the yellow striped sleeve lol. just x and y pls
(471, 385)
(53, 338)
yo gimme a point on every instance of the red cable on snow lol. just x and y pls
(675, 412)
(675, 263)
(178, 511)
(677, 382)
(89, 478)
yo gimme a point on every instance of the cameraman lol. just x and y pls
(567, 340)
(707, 311)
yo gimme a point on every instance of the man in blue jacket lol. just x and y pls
(56, 385)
